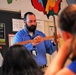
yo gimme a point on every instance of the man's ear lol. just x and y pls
(66, 35)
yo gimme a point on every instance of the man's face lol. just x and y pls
(31, 23)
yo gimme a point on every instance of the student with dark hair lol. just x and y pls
(19, 61)
(67, 25)
(39, 47)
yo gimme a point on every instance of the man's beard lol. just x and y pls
(31, 29)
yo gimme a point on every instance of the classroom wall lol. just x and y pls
(26, 5)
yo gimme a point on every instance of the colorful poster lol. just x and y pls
(48, 7)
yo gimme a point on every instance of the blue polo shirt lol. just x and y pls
(41, 49)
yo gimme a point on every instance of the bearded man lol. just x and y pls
(40, 47)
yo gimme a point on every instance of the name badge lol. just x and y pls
(34, 52)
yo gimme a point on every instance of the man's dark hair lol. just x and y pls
(28, 13)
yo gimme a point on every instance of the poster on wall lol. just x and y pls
(10, 39)
(17, 24)
(40, 25)
(51, 30)
(2, 33)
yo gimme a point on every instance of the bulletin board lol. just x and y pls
(6, 18)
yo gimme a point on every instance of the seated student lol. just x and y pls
(67, 24)
(18, 61)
